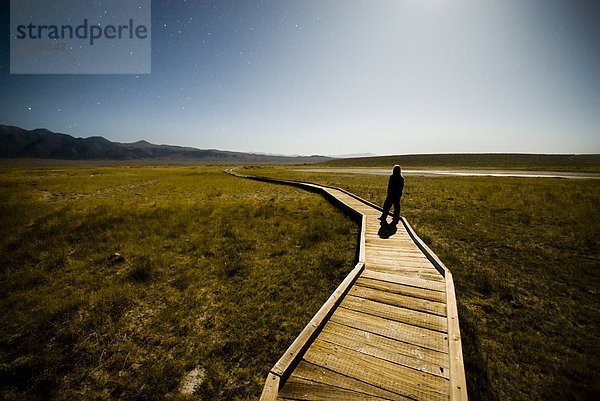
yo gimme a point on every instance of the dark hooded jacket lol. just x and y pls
(395, 186)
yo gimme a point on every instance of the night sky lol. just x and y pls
(336, 77)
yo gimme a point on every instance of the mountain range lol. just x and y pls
(41, 143)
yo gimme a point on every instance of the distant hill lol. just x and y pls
(590, 163)
(20, 143)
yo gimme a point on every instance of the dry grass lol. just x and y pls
(215, 274)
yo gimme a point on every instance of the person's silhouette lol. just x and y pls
(394, 193)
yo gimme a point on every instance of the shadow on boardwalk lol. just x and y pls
(387, 230)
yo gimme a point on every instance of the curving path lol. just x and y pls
(390, 330)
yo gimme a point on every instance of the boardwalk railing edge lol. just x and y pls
(283, 367)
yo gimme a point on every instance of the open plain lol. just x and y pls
(187, 283)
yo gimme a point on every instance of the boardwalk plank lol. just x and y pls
(404, 267)
(394, 244)
(408, 269)
(301, 389)
(394, 253)
(407, 243)
(409, 355)
(380, 246)
(378, 372)
(391, 250)
(319, 374)
(400, 289)
(408, 316)
(403, 280)
(402, 301)
(398, 259)
(400, 266)
(425, 338)
(433, 277)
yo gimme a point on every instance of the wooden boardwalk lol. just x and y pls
(389, 332)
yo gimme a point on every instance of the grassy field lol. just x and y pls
(118, 283)
(216, 275)
(510, 161)
(525, 257)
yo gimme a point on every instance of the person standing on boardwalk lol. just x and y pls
(394, 193)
